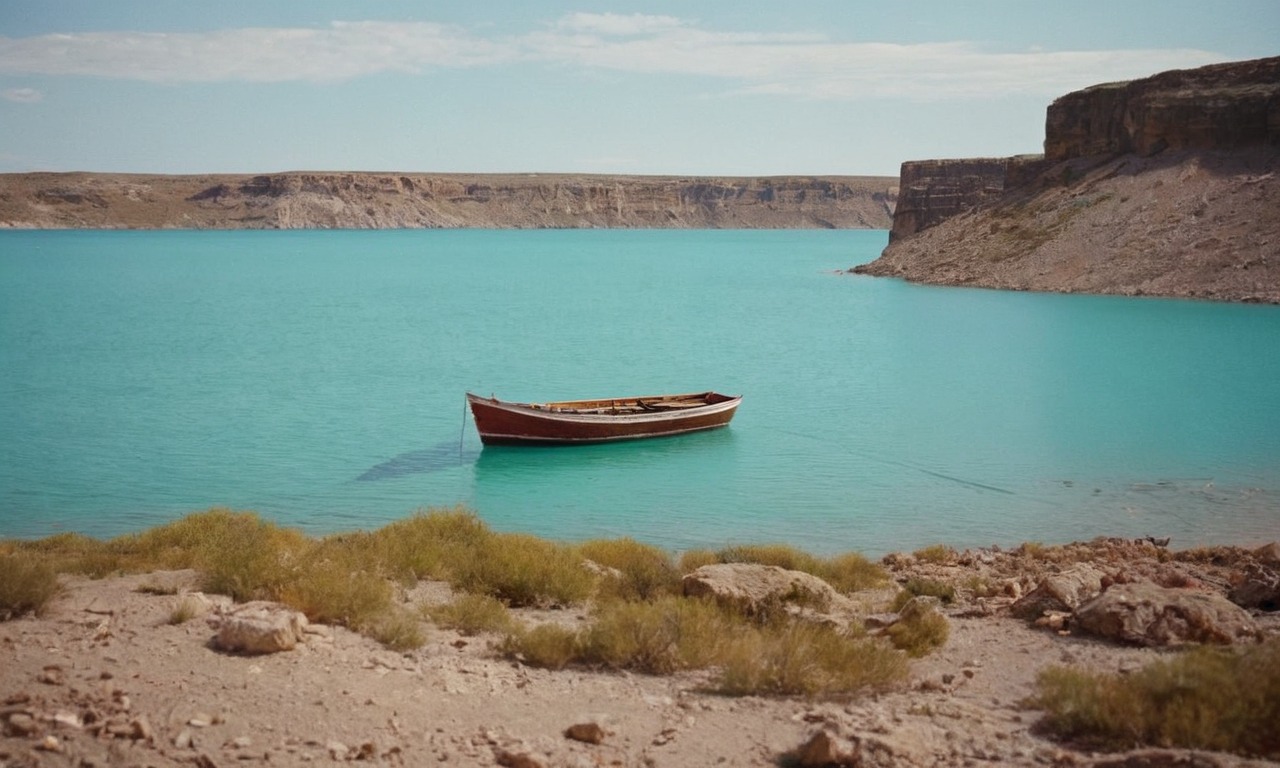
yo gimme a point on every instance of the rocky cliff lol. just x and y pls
(1160, 186)
(385, 200)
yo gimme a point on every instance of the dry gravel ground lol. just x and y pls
(103, 678)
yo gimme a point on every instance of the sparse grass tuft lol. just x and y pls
(186, 610)
(645, 572)
(472, 614)
(1206, 698)
(919, 630)
(27, 584)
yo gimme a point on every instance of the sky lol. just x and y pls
(672, 87)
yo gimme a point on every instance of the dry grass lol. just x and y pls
(523, 570)
(807, 660)
(749, 657)
(1207, 698)
(27, 584)
(186, 610)
(642, 572)
(916, 587)
(472, 614)
(939, 554)
(919, 630)
(847, 573)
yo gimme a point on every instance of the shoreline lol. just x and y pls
(109, 651)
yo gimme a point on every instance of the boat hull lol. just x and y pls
(599, 421)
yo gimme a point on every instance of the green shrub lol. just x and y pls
(434, 544)
(335, 582)
(27, 584)
(1206, 698)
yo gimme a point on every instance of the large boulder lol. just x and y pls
(258, 627)
(1258, 588)
(1147, 614)
(753, 588)
(1062, 592)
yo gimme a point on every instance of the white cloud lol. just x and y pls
(23, 95)
(809, 66)
(341, 51)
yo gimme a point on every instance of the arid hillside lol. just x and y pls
(393, 201)
(1164, 186)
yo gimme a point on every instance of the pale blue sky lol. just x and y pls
(741, 87)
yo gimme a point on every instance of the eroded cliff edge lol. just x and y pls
(1161, 186)
(304, 200)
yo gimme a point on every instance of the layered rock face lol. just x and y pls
(1161, 186)
(378, 201)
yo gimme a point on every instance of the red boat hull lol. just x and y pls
(599, 421)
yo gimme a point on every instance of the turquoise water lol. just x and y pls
(318, 378)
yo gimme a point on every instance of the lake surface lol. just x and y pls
(318, 378)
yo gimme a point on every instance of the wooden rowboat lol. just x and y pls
(599, 421)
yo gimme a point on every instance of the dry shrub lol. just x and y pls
(523, 570)
(395, 628)
(472, 614)
(851, 572)
(808, 660)
(919, 630)
(186, 610)
(74, 553)
(550, 646)
(939, 554)
(645, 572)
(335, 582)
(27, 584)
(917, 587)
(694, 559)
(658, 638)
(781, 555)
(1206, 698)
(847, 573)
(432, 544)
(243, 556)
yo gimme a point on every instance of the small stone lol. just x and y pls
(588, 733)
(200, 720)
(49, 744)
(183, 740)
(518, 759)
(242, 742)
(140, 728)
(337, 750)
(20, 724)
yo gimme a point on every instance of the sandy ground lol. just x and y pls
(104, 679)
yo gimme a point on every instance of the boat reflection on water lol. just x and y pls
(631, 488)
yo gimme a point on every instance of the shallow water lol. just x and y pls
(318, 378)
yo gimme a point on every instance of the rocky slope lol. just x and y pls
(388, 201)
(1161, 186)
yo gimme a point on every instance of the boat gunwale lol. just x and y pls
(543, 411)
